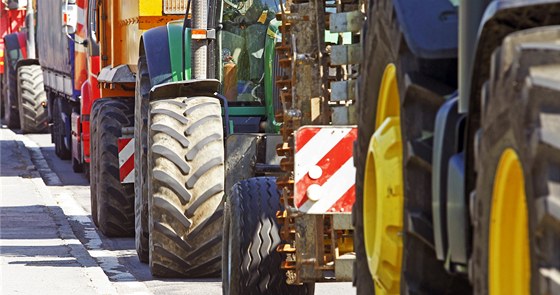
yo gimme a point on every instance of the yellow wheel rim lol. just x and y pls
(383, 190)
(509, 259)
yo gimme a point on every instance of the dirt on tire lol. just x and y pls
(141, 113)
(11, 113)
(251, 264)
(58, 131)
(520, 111)
(422, 85)
(31, 99)
(115, 200)
(186, 187)
(93, 156)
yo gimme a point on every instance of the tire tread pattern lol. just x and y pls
(115, 201)
(58, 130)
(31, 93)
(525, 118)
(185, 195)
(422, 85)
(11, 114)
(141, 105)
(253, 233)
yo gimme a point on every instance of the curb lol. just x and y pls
(106, 273)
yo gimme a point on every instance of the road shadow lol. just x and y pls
(40, 157)
(62, 169)
(14, 160)
(35, 235)
(124, 250)
(34, 222)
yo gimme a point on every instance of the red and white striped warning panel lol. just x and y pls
(126, 160)
(324, 169)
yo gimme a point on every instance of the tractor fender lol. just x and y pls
(154, 43)
(27, 62)
(14, 43)
(205, 87)
(493, 28)
(420, 21)
(497, 6)
(167, 61)
(449, 129)
(120, 74)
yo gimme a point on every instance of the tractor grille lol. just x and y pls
(174, 6)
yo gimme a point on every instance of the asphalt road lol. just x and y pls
(115, 256)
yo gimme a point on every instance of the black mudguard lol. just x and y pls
(155, 45)
(429, 27)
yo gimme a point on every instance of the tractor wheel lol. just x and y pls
(86, 169)
(31, 95)
(186, 179)
(77, 167)
(516, 213)
(362, 278)
(115, 201)
(58, 131)
(11, 114)
(401, 94)
(93, 156)
(251, 264)
(141, 105)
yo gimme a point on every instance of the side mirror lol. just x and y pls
(69, 16)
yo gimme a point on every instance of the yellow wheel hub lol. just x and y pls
(509, 264)
(383, 190)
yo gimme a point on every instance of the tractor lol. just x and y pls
(286, 231)
(458, 150)
(170, 96)
(23, 94)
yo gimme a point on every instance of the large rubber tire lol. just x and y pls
(521, 112)
(362, 278)
(141, 106)
(77, 167)
(11, 113)
(251, 264)
(86, 168)
(115, 201)
(59, 131)
(33, 115)
(186, 179)
(422, 83)
(94, 117)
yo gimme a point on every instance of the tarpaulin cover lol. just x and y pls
(52, 43)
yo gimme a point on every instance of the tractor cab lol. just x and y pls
(248, 31)
(248, 36)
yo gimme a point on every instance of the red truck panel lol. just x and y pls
(10, 22)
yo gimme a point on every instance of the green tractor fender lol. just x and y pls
(169, 70)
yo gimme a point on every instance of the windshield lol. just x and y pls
(243, 42)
